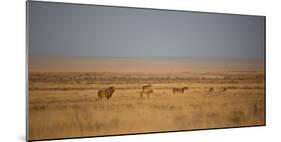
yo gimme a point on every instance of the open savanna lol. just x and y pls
(64, 103)
(63, 95)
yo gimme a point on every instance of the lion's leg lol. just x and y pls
(141, 95)
(99, 97)
(107, 97)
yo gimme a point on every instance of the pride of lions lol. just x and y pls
(147, 90)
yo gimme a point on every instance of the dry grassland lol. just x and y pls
(64, 104)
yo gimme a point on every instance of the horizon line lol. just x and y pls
(148, 57)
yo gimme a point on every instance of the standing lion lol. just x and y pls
(106, 93)
(146, 89)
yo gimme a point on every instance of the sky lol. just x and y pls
(98, 31)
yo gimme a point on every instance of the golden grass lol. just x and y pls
(64, 104)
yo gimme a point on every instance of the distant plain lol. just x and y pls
(63, 95)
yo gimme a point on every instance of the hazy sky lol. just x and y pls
(81, 30)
